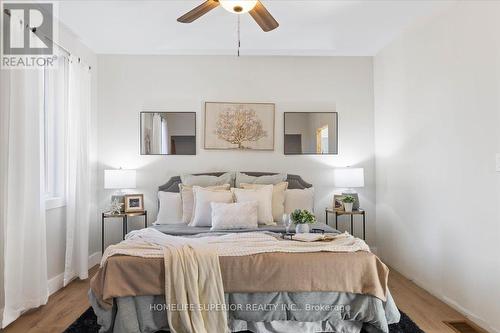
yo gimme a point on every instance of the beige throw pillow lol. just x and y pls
(278, 198)
(202, 209)
(207, 180)
(187, 197)
(263, 196)
(263, 180)
(299, 199)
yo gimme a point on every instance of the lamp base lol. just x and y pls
(120, 197)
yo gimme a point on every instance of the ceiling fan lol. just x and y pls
(254, 7)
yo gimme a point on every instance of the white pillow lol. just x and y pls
(170, 211)
(264, 196)
(202, 211)
(241, 215)
(187, 197)
(264, 180)
(299, 199)
(278, 198)
(205, 180)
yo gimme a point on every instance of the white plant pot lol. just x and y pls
(302, 228)
(348, 206)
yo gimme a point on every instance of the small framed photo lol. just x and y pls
(337, 202)
(134, 203)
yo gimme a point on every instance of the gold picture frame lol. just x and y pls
(257, 120)
(134, 203)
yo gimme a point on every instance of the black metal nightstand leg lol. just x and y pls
(364, 219)
(352, 225)
(102, 233)
(124, 226)
(326, 218)
(336, 221)
(145, 219)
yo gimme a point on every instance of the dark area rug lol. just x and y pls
(87, 323)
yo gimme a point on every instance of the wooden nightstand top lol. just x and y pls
(341, 212)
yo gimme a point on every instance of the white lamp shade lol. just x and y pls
(119, 179)
(349, 177)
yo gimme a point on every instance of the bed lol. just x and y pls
(263, 292)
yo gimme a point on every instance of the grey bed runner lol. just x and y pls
(186, 230)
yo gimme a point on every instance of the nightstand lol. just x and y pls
(124, 217)
(338, 213)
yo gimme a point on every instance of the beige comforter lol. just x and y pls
(359, 272)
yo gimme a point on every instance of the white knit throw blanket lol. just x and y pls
(148, 243)
(192, 272)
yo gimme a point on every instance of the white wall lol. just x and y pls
(437, 99)
(129, 84)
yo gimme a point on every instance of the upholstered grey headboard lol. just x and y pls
(294, 181)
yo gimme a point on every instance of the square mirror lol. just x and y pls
(168, 133)
(311, 133)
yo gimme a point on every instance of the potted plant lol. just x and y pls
(302, 218)
(348, 201)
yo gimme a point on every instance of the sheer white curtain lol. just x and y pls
(77, 173)
(156, 134)
(22, 212)
(164, 136)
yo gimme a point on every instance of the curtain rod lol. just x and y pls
(33, 30)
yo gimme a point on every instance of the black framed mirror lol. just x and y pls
(168, 133)
(310, 133)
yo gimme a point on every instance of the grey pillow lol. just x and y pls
(265, 180)
(204, 180)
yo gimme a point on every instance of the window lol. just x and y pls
(322, 140)
(55, 91)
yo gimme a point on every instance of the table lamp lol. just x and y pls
(349, 179)
(119, 180)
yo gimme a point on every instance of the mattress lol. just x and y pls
(182, 229)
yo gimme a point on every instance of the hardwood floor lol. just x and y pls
(69, 303)
(425, 310)
(63, 308)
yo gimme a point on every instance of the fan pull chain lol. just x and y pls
(239, 36)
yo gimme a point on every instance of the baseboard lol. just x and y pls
(471, 316)
(95, 259)
(57, 282)
(451, 303)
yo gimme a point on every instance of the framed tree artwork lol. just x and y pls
(242, 126)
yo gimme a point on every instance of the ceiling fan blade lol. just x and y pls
(263, 18)
(198, 11)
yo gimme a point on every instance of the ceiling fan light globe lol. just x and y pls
(238, 6)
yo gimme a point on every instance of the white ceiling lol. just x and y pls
(307, 27)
